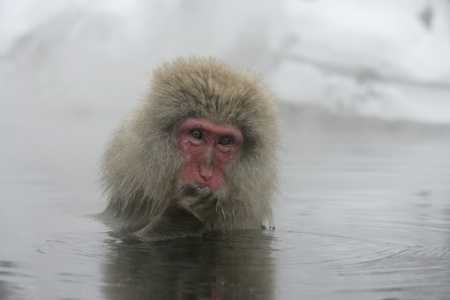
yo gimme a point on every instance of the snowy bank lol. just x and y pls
(380, 58)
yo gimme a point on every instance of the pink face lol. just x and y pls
(207, 148)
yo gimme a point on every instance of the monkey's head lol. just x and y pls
(202, 121)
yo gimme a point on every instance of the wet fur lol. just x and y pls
(141, 169)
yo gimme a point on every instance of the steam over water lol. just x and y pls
(364, 204)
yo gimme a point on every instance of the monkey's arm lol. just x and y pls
(187, 213)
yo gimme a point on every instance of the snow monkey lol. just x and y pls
(197, 155)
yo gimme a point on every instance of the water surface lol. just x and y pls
(364, 213)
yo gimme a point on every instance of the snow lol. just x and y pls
(382, 58)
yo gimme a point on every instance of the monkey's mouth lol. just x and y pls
(208, 176)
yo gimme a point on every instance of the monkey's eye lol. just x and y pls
(225, 140)
(196, 134)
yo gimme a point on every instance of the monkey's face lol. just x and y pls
(207, 148)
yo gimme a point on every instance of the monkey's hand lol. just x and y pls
(187, 214)
(197, 199)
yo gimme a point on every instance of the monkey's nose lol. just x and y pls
(206, 168)
(207, 173)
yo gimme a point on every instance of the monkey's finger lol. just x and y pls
(191, 189)
(204, 203)
(197, 185)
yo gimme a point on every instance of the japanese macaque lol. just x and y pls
(197, 155)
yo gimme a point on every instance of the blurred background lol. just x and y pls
(382, 58)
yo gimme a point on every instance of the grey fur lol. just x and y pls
(141, 169)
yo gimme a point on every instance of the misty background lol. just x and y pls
(83, 58)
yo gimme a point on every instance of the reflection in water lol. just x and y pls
(6, 269)
(231, 266)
